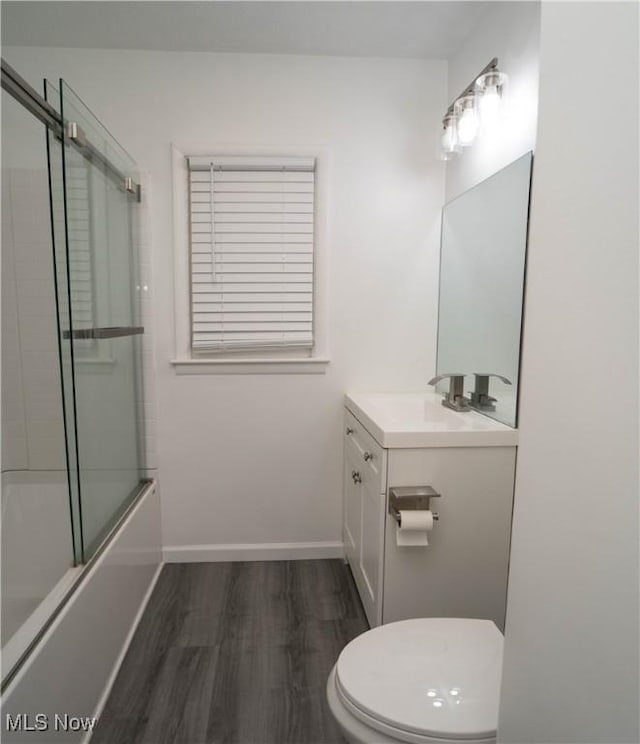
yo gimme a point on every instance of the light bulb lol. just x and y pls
(468, 127)
(467, 119)
(449, 145)
(448, 139)
(490, 88)
(490, 106)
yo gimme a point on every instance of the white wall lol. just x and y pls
(571, 649)
(257, 459)
(509, 31)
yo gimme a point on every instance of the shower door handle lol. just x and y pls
(108, 332)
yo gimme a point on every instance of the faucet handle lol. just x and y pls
(455, 397)
(439, 378)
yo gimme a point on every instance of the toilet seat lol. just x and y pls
(430, 679)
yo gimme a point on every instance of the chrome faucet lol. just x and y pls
(454, 398)
(480, 398)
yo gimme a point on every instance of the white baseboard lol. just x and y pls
(252, 552)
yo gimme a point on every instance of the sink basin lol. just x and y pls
(420, 420)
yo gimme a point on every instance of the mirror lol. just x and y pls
(482, 264)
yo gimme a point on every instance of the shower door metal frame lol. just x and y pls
(25, 94)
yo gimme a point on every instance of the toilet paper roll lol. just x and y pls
(413, 528)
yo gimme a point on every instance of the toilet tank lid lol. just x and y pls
(432, 676)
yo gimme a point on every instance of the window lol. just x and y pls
(251, 253)
(79, 230)
(86, 304)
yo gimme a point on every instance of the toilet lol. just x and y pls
(423, 681)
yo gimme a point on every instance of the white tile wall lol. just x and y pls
(32, 424)
(14, 433)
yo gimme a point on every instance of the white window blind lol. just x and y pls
(80, 255)
(252, 242)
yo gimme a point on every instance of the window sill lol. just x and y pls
(312, 366)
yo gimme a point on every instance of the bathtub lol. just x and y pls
(71, 666)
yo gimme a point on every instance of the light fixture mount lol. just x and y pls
(491, 79)
(491, 67)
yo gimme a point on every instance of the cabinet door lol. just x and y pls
(372, 542)
(352, 509)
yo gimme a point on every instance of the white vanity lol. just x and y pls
(407, 439)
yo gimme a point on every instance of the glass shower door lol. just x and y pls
(101, 332)
(37, 555)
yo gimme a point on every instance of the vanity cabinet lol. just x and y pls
(462, 572)
(365, 470)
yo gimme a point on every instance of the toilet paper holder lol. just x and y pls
(411, 498)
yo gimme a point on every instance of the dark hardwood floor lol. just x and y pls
(235, 653)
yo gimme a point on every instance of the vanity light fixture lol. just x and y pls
(477, 105)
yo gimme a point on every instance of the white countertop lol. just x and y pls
(420, 420)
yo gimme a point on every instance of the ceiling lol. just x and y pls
(420, 29)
